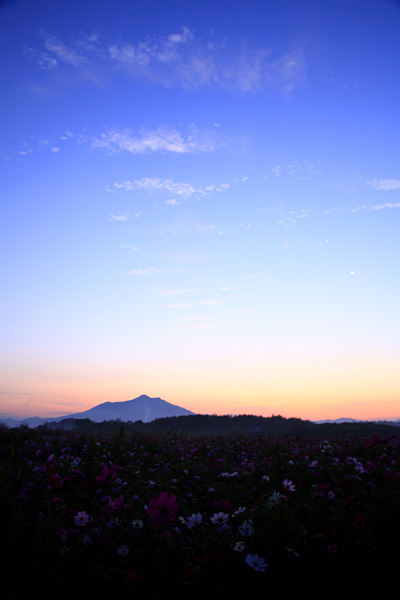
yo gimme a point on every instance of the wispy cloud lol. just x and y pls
(130, 247)
(385, 184)
(114, 141)
(181, 189)
(298, 170)
(55, 51)
(152, 184)
(120, 218)
(193, 63)
(386, 205)
(182, 58)
(161, 139)
(293, 216)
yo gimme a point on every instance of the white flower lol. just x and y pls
(219, 518)
(240, 510)
(82, 518)
(246, 528)
(256, 562)
(265, 477)
(137, 523)
(239, 547)
(274, 499)
(194, 519)
(289, 485)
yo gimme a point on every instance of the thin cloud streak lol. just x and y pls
(178, 58)
(385, 184)
(161, 139)
(182, 189)
(386, 205)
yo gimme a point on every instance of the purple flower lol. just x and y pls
(255, 562)
(288, 485)
(82, 518)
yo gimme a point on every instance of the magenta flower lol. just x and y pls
(52, 474)
(108, 473)
(359, 522)
(163, 509)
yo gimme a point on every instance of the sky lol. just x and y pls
(201, 202)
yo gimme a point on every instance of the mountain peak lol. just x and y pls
(143, 408)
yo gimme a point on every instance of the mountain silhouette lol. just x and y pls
(143, 408)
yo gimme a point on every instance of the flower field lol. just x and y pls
(89, 515)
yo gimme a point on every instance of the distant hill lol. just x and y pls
(143, 408)
(215, 425)
(145, 414)
(344, 420)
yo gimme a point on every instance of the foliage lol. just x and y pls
(275, 425)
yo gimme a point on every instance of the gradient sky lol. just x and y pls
(201, 202)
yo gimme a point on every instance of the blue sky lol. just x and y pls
(201, 202)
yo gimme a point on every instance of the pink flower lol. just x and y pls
(163, 509)
(107, 473)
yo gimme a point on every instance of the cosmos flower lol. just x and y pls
(239, 547)
(194, 520)
(81, 518)
(163, 509)
(274, 499)
(219, 518)
(256, 562)
(137, 523)
(108, 473)
(246, 528)
(288, 485)
(54, 477)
